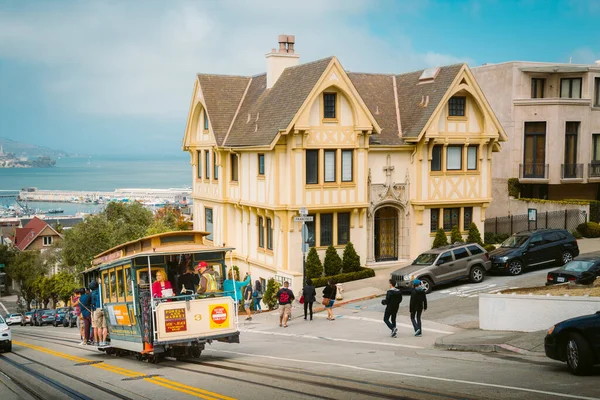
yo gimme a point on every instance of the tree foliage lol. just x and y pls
(25, 269)
(117, 224)
(332, 262)
(350, 259)
(169, 219)
(440, 239)
(455, 235)
(474, 235)
(314, 268)
(269, 297)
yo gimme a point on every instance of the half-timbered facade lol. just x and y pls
(378, 160)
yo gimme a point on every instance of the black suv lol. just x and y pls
(542, 247)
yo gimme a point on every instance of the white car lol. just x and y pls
(14, 319)
(5, 336)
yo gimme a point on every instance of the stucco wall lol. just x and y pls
(530, 313)
(504, 206)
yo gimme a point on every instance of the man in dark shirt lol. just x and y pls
(85, 302)
(392, 301)
(285, 297)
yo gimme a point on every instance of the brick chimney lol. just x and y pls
(280, 59)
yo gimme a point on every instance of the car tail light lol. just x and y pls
(549, 277)
(572, 279)
(44, 316)
(487, 256)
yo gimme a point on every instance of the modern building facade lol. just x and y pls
(551, 114)
(380, 160)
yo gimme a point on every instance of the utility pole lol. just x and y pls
(304, 218)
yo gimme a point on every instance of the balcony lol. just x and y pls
(571, 171)
(535, 172)
(594, 170)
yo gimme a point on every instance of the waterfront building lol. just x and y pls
(551, 114)
(381, 160)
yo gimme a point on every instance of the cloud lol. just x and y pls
(584, 55)
(139, 58)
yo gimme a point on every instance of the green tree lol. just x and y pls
(455, 235)
(314, 268)
(440, 239)
(25, 269)
(171, 219)
(64, 285)
(350, 259)
(269, 297)
(474, 235)
(332, 262)
(117, 224)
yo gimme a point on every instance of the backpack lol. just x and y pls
(255, 294)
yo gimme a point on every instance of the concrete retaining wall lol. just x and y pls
(524, 313)
(504, 205)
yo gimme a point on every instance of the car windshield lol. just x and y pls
(13, 315)
(425, 259)
(579, 266)
(515, 241)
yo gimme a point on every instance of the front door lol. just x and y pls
(386, 234)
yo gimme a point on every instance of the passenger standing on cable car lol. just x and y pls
(160, 284)
(233, 288)
(208, 282)
(186, 281)
(85, 302)
(98, 320)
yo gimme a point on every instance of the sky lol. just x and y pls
(116, 76)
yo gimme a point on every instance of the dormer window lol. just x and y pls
(456, 106)
(205, 121)
(329, 105)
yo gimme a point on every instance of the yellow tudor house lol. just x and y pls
(378, 160)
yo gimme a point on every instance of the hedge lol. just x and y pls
(489, 247)
(514, 187)
(589, 229)
(347, 277)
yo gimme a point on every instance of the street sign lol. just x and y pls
(303, 211)
(303, 219)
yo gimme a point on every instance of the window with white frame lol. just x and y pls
(47, 240)
(205, 121)
(472, 158)
(269, 234)
(199, 164)
(208, 222)
(347, 165)
(329, 165)
(570, 88)
(454, 158)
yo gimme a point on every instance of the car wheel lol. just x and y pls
(578, 353)
(426, 284)
(515, 267)
(566, 257)
(476, 274)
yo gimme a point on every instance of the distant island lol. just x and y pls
(22, 155)
(8, 160)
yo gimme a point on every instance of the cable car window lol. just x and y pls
(113, 285)
(142, 275)
(106, 287)
(127, 275)
(120, 284)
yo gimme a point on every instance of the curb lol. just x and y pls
(485, 348)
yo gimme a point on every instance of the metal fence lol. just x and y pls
(567, 219)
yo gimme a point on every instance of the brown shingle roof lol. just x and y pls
(26, 235)
(222, 95)
(377, 91)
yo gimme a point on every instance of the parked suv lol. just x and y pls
(443, 265)
(542, 247)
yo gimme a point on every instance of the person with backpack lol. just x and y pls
(257, 296)
(392, 301)
(418, 303)
(309, 295)
(285, 297)
(85, 302)
(248, 302)
(329, 293)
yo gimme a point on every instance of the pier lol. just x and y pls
(146, 196)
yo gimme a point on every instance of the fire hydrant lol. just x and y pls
(340, 289)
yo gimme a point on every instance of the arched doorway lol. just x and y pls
(386, 234)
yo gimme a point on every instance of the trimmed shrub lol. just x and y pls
(514, 187)
(314, 268)
(576, 234)
(489, 247)
(332, 262)
(346, 277)
(501, 237)
(269, 296)
(489, 237)
(474, 236)
(440, 239)
(589, 229)
(455, 235)
(595, 211)
(350, 259)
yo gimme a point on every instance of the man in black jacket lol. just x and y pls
(418, 303)
(392, 301)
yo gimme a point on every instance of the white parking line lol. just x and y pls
(434, 378)
(399, 325)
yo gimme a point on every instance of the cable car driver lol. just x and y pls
(208, 282)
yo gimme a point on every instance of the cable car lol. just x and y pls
(154, 325)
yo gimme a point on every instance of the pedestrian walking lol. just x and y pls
(309, 295)
(329, 298)
(248, 302)
(285, 297)
(392, 301)
(257, 296)
(418, 304)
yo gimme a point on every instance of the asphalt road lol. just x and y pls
(352, 357)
